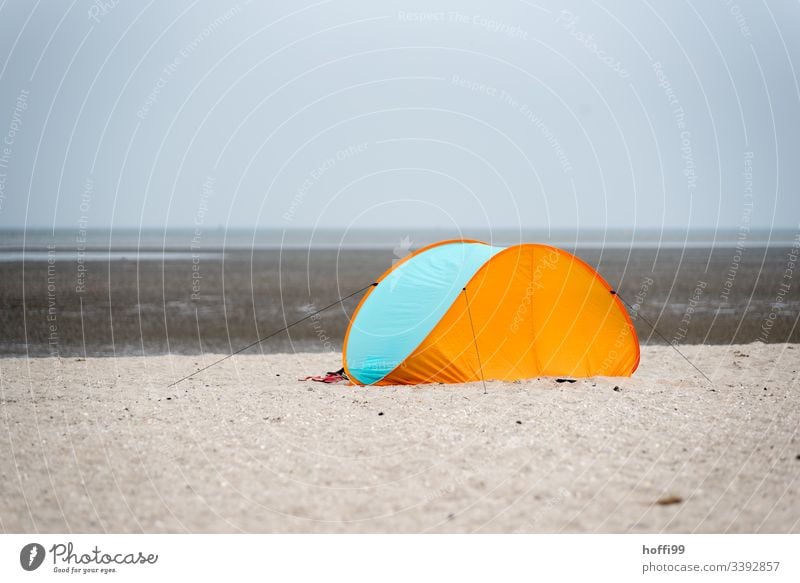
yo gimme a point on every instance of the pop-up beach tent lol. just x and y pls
(462, 310)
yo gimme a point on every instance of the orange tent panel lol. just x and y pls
(531, 310)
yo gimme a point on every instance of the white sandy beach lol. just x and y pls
(102, 445)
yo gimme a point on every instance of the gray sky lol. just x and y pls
(351, 114)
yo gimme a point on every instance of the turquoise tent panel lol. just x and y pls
(406, 305)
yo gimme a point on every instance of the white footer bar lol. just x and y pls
(387, 558)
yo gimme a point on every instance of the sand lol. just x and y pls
(102, 445)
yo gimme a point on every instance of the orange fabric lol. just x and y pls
(536, 311)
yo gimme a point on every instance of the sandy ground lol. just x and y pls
(103, 445)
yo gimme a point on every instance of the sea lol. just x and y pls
(186, 291)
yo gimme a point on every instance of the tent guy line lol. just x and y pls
(275, 333)
(653, 327)
(475, 340)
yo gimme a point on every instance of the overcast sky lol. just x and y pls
(352, 114)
